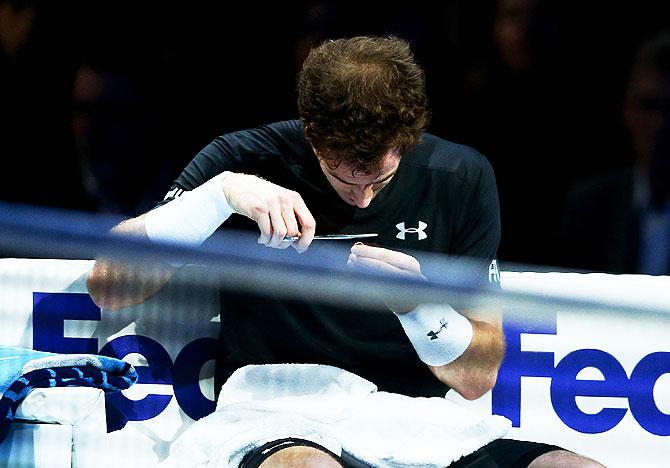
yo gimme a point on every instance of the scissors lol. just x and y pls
(333, 237)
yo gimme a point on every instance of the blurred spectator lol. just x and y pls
(38, 160)
(620, 222)
(116, 128)
(512, 33)
(519, 109)
(16, 23)
(317, 22)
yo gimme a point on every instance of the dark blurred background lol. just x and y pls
(103, 103)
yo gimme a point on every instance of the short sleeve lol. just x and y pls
(478, 233)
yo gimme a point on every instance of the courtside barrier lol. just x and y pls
(593, 382)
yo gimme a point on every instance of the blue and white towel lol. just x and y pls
(22, 370)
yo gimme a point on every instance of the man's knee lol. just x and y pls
(300, 456)
(563, 459)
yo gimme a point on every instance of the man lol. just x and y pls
(358, 161)
(619, 222)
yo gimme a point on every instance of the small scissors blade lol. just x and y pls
(333, 237)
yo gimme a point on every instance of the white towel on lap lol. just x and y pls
(336, 409)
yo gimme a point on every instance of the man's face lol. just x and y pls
(647, 116)
(647, 110)
(358, 188)
(511, 32)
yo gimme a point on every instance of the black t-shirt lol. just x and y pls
(442, 199)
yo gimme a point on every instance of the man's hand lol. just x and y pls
(474, 372)
(278, 211)
(367, 258)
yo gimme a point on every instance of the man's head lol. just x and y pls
(363, 103)
(647, 113)
(647, 104)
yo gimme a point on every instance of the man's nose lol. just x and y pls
(363, 195)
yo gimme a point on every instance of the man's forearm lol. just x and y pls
(113, 285)
(463, 349)
(474, 372)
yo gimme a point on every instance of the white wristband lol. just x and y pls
(438, 333)
(193, 217)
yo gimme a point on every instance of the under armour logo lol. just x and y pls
(174, 193)
(419, 231)
(443, 326)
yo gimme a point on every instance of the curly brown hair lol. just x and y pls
(361, 97)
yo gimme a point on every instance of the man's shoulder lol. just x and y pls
(289, 130)
(437, 154)
(292, 127)
(268, 142)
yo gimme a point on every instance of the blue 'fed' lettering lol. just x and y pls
(50, 310)
(638, 389)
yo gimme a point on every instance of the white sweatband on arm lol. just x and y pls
(438, 333)
(192, 217)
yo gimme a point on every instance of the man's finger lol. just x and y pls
(290, 221)
(265, 227)
(307, 226)
(372, 264)
(397, 259)
(278, 228)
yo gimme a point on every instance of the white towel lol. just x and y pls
(336, 409)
